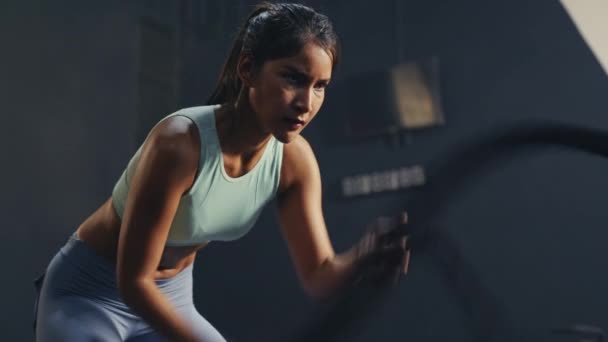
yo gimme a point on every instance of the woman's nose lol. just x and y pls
(303, 100)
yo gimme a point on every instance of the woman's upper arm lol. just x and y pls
(166, 169)
(300, 209)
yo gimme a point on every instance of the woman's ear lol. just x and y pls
(244, 70)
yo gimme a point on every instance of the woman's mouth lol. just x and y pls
(293, 124)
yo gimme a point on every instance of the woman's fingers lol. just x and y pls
(406, 256)
(403, 217)
(383, 250)
(406, 263)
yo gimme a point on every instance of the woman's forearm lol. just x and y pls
(152, 305)
(331, 275)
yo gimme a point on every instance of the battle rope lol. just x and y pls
(447, 177)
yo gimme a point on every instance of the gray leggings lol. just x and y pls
(78, 301)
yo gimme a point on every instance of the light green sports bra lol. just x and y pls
(217, 206)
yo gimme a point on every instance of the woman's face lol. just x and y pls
(287, 93)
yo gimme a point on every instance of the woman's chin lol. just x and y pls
(286, 137)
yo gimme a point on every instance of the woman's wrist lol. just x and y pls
(333, 274)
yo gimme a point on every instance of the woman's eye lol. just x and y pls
(291, 78)
(321, 86)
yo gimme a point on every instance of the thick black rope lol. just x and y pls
(447, 177)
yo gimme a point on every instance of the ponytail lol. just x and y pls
(229, 83)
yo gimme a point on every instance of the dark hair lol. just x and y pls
(273, 31)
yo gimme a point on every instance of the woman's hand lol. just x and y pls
(381, 254)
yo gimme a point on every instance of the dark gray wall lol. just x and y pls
(532, 233)
(67, 121)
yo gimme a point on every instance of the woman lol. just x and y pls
(204, 174)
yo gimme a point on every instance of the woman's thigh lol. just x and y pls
(77, 299)
(74, 318)
(203, 329)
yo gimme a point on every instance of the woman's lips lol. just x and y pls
(293, 124)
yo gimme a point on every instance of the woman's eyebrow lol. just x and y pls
(301, 73)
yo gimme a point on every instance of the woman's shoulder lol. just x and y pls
(299, 162)
(298, 150)
(183, 128)
(175, 131)
(175, 138)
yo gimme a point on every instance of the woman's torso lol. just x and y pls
(101, 229)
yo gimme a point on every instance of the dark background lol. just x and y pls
(83, 81)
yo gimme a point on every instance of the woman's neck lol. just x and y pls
(239, 131)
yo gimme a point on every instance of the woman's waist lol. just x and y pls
(173, 260)
(101, 231)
